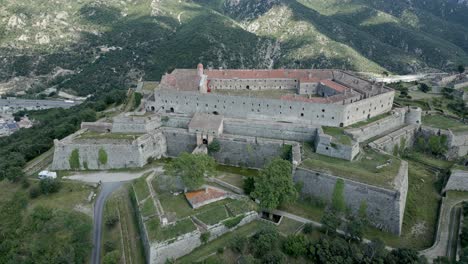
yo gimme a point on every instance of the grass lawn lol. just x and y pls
(213, 215)
(237, 170)
(305, 208)
(141, 188)
(422, 205)
(442, 122)
(237, 207)
(158, 233)
(233, 179)
(70, 195)
(368, 121)
(408, 102)
(430, 160)
(147, 208)
(338, 135)
(221, 242)
(150, 86)
(175, 204)
(97, 135)
(289, 226)
(362, 170)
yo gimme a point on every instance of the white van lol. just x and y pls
(47, 175)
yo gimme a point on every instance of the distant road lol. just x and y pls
(16, 104)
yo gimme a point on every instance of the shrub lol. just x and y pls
(102, 156)
(74, 159)
(34, 192)
(214, 146)
(25, 183)
(232, 222)
(220, 250)
(111, 220)
(249, 185)
(338, 201)
(112, 257)
(308, 228)
(237, 243)
(205, 237)
(109, 246)
(48, 186)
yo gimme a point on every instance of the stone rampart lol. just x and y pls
(385, 207)
(235, 150)
(401, 138)
(253, 128)
(324, 145)
(119, 153)
(457, 142)
(386, 124)
(135, 124)
(101, 127)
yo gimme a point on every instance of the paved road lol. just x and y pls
(106, 190)
(109, 176)
(453, 235)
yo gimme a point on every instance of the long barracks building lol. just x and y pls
(319, 97)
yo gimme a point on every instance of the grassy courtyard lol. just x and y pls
(369, 167)
(338, 135)
(442, 122)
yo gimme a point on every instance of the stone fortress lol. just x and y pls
(319, 119)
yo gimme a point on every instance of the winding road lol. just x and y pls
(107, 189)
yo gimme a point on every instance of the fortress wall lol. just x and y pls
(101, 127)
(249, 107)
(402, 137)
(368, 108)
(120, 153)
(396, 120)
(253, 84)
(325, 146)
(247, 151)
(178, 141)
(385, 207)
(285, 131)
(135, 124)
(254, 128)
(234, 150)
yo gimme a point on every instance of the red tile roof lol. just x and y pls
(202, 196)
(269, 74)
(335, 86)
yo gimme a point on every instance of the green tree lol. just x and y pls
(214, 146)
(264, 241)
(424, 88)
(438, 144)
(355, 228)
(338, 201)
(249, 185)
(14, 174)
(274, 186)
(330, 222)
(461, 68)
(112, 257)
(192, 168)
(404, 255)
(48, 186)
(238, 243)
(295, 245)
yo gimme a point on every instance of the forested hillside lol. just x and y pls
(83, 46)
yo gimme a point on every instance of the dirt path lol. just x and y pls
(110, 176)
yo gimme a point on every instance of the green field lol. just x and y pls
(213, 215)
(338, 135)
(117, 136)
(158, 233)
(362, 169)
(289, 226)
(442, 122)
(370, 120)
